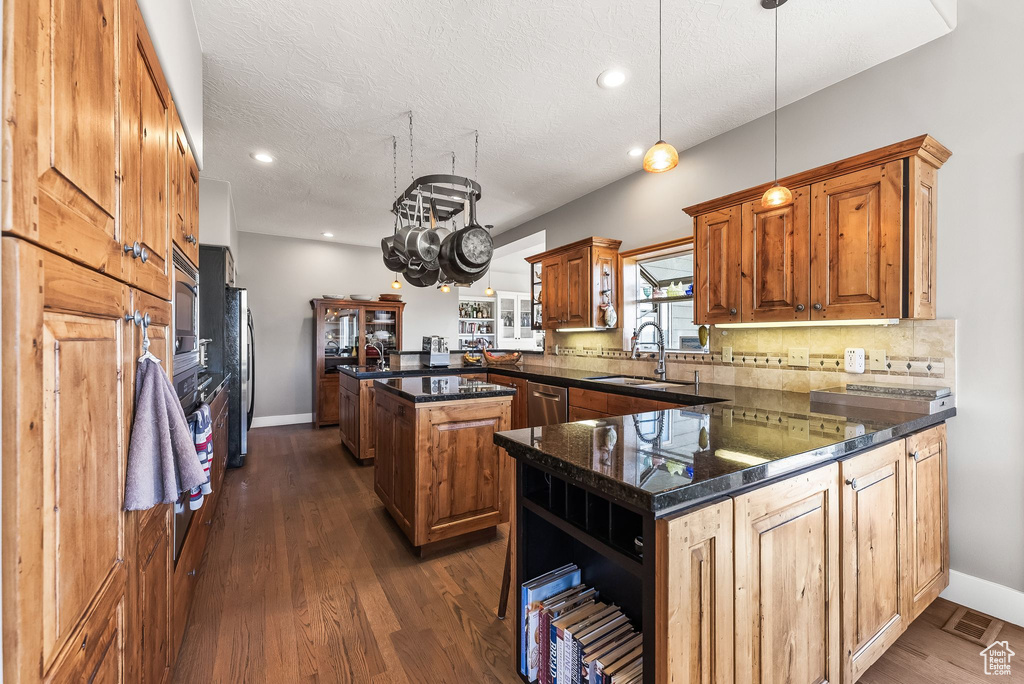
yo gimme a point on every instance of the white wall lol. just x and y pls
(963, 89)
(172, 27)
(217, 225)
(283, 274)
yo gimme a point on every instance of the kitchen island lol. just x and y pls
(437, 470)
(759, 534)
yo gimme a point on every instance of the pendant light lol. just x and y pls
(777, 195)
(662, 156)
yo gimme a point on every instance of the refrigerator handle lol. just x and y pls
(252, 369)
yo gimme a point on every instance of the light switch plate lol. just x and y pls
(854, 360)
(798, 357)
(878, 360)
(726, 354)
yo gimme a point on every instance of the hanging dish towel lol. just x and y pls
(162, 461)
(202, 430)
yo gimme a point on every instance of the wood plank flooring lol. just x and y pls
(307, 579)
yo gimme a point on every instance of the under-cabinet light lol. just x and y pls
(579, 329)
(808, 324)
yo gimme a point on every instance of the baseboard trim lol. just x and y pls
(271, 421)
(986, 597)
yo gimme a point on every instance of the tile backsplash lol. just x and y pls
(917, 353)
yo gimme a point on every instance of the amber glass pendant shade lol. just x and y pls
(489, 291)
(660, 158)
(395, 285)
(445, 288)
(776, 196)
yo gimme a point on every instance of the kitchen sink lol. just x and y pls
(643, 383)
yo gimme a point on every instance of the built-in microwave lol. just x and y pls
(185, 304)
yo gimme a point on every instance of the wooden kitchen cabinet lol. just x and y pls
(348, 417)
(145, 169)
(717, 257)
(438, 471)
(66, 347)
(693, 622)
(576, 279)
(587, 404)
(873, 594)
(857, 242)
(856, 255)
(787, 580)
(184, 204)
(153, 612)
(519, 400)
(927, 518)
(775, 243)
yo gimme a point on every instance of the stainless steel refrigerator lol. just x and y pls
(224, 317)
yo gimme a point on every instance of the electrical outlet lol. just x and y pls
(799, 428)
(854, 360)
(798, 357)
(726, 354)
(878, 360)
(854, 430)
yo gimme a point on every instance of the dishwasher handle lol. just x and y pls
(547, 395)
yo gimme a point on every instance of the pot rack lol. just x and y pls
(447, 192)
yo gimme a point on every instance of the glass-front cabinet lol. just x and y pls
(515, 322)
(348, 332)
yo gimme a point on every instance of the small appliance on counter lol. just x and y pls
(435, 352)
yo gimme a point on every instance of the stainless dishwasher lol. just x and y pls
(547, 404)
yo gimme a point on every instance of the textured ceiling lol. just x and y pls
(324, 84)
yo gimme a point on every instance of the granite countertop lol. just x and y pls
(664, 461)
(419, 389)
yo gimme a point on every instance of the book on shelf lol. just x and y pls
(554, 608)
(589, 636)
(533, 593)
(572, 626)
(634, 673)
(573, 634)
(616, 672)
(602, 647)
(556, 635)
(612, 657)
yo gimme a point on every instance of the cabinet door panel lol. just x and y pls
(553, 284)
(856, 255)
(928, 517)
(383, 465)
(787, 563)
(348, 420)
(776, 260)
(145, 123)
(64, 446)
(577, 291)
(922, 220)
(75, 152)
(367, 420)
(717, 267)
(154, 598)
(874, 562)
(694, 610)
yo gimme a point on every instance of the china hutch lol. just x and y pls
(348, 332)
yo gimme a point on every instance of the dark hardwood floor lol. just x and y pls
(306, 579)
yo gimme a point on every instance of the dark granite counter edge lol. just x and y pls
(685, 397)
(687, 496)
(426, 399)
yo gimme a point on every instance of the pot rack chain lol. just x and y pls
(394, 174)
(412, 166)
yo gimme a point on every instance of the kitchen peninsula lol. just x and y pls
(437, 469)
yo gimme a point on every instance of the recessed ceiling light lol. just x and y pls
(262, 157)
(327, 234)
(636, 152)
(611, 78)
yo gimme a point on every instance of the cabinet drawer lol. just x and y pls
(579, 413)
(595, 401)
(621, 405)
(349, 383)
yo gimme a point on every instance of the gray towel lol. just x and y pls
(162, 459)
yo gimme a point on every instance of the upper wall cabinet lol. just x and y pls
(856, 242)
(577, 281)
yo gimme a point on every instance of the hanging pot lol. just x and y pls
(474, 244)
(454, 267)
(420, 275)
(394, 263)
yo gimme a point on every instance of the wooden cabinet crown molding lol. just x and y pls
(924, 147)
(572, 246)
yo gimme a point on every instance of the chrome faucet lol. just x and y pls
(379, 346)
(660, 369)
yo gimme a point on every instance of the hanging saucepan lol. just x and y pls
(454, 267)
(419, 275)
(473, 244)
(394, 263)
(416, 242)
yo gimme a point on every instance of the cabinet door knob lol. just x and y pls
(817, 307)
(732, 312)
(133, 250)
(799, 307)
(852, 482)
(916, 456)
(192, 572)
(144, 255)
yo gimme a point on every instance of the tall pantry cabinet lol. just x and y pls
(86, 244)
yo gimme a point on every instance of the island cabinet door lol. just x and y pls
(348, 420)
(873, 601)
(465, 480)
(694, 595)
(395, 466)
(367, 421)
(928, 517)
(776, 263)
(787, 581)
